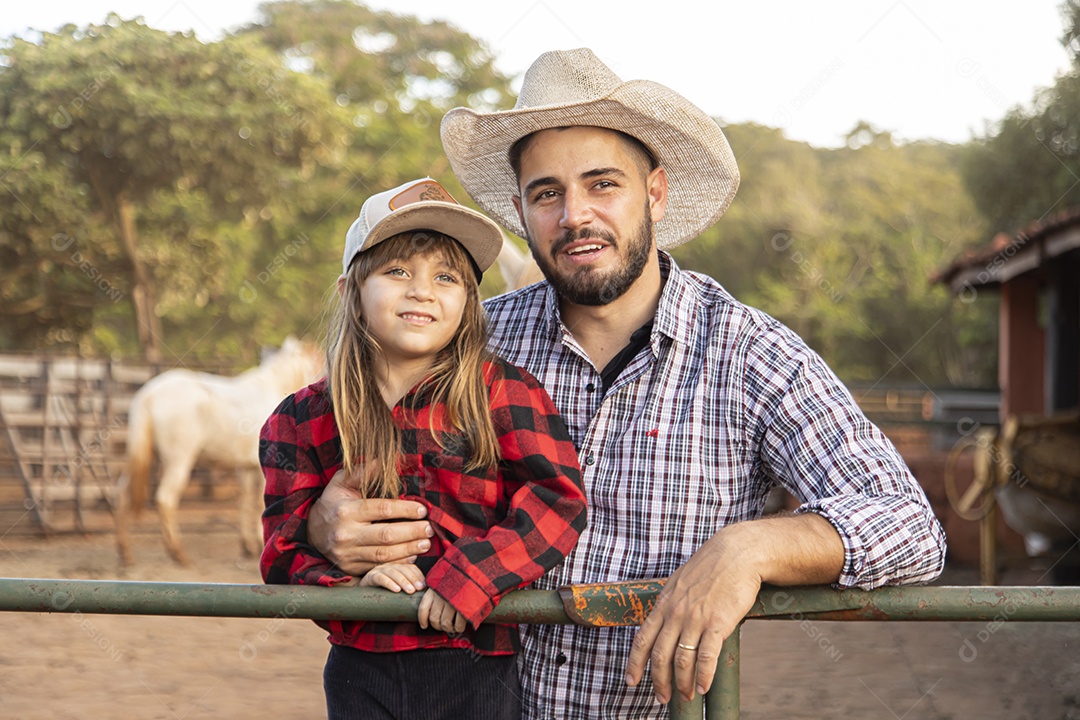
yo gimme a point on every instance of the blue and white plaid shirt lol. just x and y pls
(721, 405)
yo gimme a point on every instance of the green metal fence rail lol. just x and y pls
(594, 605)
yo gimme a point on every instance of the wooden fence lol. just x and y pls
(63, 434)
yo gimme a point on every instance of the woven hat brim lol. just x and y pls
(701, 169)
(478, 234)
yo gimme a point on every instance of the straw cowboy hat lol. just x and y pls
(572, 87)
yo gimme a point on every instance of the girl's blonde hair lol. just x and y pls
(364, 422)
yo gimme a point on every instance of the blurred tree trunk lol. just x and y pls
(121, 214)
(147, 322)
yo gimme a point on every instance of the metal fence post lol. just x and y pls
(722, 700)
(679, 709)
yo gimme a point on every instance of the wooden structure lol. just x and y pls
(1037, 274)
(63, 431)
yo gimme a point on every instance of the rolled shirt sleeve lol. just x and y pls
(816, 442)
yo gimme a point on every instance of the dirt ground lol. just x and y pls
(100, 666)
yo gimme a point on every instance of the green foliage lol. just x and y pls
(840, 246)
(243, 162)
(1028, 166)
(1070, 38)
(394, 75)
(159, 140)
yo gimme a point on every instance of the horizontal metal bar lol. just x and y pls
(228, 600)
(920, 603)
(614, 603)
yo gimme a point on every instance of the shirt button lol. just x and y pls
(589, 388)
(590, 460)
(560, 659)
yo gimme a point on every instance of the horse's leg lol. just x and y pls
(176, 472)
(250, 523)
(121, 516)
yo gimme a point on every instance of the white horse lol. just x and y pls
(192, 417)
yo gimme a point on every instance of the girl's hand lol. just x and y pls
(440, 614)
(399, 577)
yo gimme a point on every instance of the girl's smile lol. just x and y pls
(418, 318)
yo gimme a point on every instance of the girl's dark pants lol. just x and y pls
(427, 684)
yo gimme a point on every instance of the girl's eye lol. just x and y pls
(395, 271)
(447, 277)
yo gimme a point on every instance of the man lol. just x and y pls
(686, 406)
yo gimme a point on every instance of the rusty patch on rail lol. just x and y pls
(610, 604)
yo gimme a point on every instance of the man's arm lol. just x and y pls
(864, 521)
(705, 599)
(811, 437)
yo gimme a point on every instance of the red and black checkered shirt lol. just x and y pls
(496, 529)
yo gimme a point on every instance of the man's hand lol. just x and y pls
(440, 614)
(350, 530)
(704, 600)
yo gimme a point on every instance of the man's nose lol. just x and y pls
(577, 209)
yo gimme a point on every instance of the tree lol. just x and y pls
(53, 279)
(242, 162)
(134, 121)
(395, 75)
(1028, 166)
(383, 62)
(839, 245)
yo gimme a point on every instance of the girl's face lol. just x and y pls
(413, 307)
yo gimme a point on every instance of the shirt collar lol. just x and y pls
(549, 311)
(677, 311)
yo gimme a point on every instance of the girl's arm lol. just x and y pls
(546, 502)
(291, 461)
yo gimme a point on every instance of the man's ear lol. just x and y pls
(517, 206)
(657, 189)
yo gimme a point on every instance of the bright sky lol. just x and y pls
(919, 68)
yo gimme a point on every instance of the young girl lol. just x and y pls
(415, 407)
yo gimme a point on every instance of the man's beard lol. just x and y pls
(587, 286)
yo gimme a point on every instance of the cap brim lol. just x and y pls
(701, 169)
(477, 233)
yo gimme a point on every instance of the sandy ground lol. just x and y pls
(99, 666)
(173, 668)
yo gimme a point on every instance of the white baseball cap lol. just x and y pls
(423, 205)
